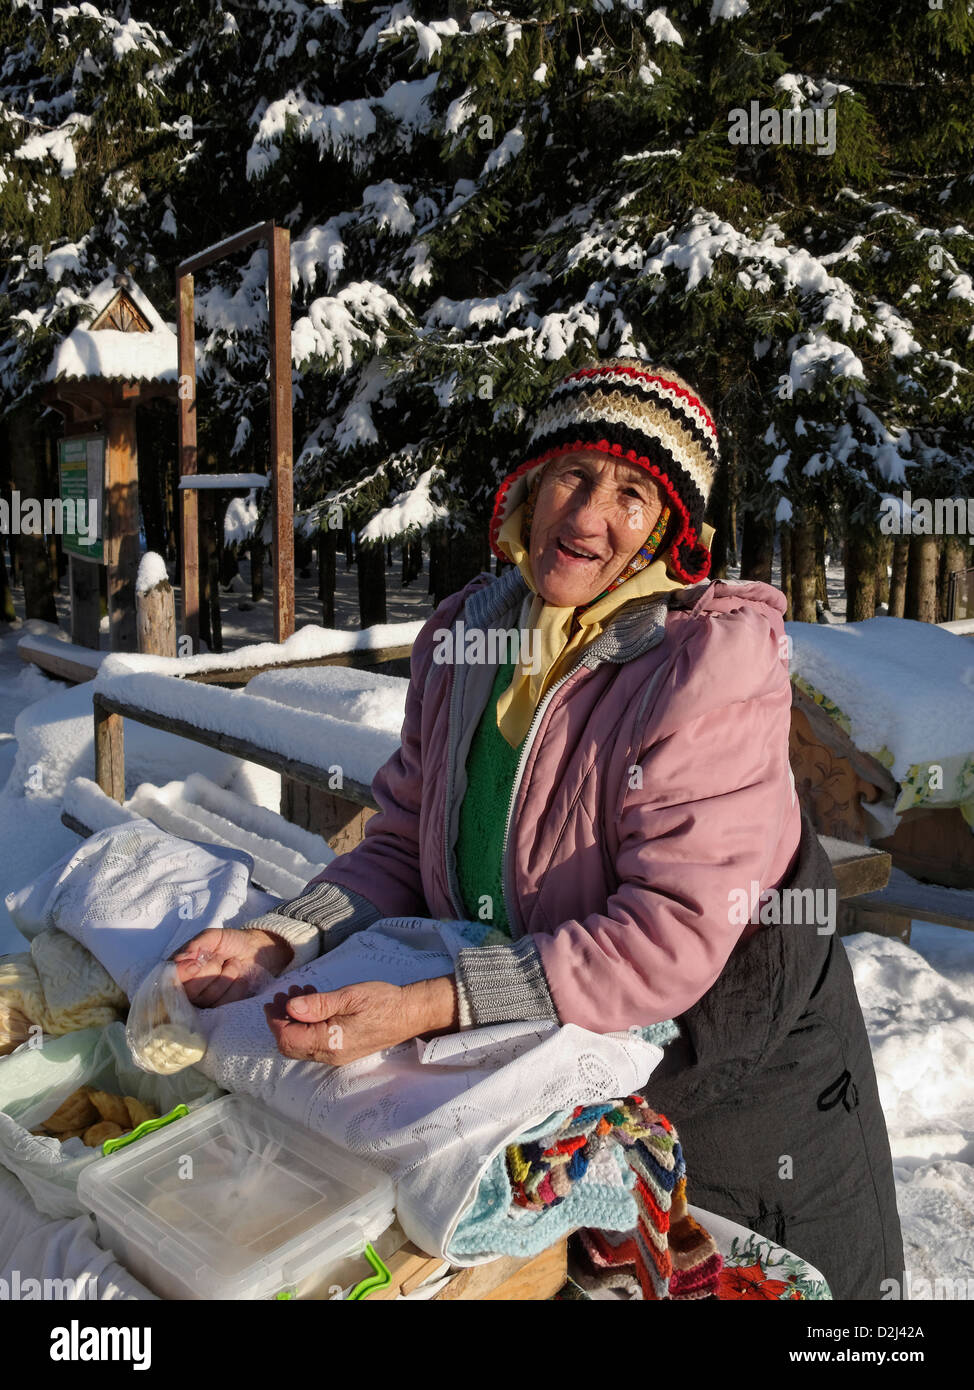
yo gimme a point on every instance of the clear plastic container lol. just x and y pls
(234, 1202)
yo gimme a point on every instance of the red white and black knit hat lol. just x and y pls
(640, 413)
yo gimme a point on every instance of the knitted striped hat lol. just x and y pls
(634, 411)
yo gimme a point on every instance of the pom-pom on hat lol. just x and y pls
(642, 414)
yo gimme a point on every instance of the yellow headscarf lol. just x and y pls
(555, 647)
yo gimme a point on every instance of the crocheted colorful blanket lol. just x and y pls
(667, 1255)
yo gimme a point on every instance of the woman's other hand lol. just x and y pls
(358, 1020)
(220, 967)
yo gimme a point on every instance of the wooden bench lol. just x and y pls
(506, 1279)
(64, 661)
(834, 778)
(891, 910)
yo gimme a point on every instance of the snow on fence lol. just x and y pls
(292, 740)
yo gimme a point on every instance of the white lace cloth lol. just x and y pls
(132, 894)
(431, 1114)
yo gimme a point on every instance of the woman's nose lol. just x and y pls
(586, 511)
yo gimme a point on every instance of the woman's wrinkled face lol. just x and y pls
(592, 514)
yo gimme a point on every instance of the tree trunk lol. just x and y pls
(438, 585)
(174, 539)
(803, 569)
(349, 548)
(53, 490)
(921, 579)
(464, 559)
(229, 566)
(897, 583)
(787, 587)
(860, 575)
(821, 583)
(7, 612)
(28, 475)
(953, 557)
(371, 583)
(256, 566)
(153, 447)
(303, 552)
(718, 516)
(757, 548)
(412, 560)
(884, 555)
(327, 545)
(214, 557)
(733, 557)
(205, 610)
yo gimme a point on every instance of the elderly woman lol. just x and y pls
(605, 799)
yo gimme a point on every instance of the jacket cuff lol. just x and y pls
(320, 918)
(502, 984)
(303, 938)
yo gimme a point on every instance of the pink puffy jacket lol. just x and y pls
(621, 881)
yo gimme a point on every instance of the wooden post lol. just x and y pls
(85, 602)
(278, 243)
(122, 526)
(188, 500)
(279, 280)
(109, 752)
(339, 821)
(157, 620)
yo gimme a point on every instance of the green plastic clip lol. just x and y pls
(381, 1279)
(111, 1146)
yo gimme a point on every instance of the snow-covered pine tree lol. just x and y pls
(592, 194)
(479, 198)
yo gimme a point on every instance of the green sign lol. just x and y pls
(81, 465)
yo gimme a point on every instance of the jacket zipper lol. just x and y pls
(518, 772)
(453, 886)
(451, 880)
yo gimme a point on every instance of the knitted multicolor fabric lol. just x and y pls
(668, 1255)
(643, 414)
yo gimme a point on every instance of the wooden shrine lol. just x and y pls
(100, 373)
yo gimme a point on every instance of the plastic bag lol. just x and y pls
(34, 1081)
(162, 1029)
(165, 1032)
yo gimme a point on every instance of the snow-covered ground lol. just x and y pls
(918, 1000)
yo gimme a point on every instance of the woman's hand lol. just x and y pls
(220, 967)
(357, 1020)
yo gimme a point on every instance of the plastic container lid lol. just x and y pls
(233, 1201)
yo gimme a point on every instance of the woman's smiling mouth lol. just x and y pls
(571, 555)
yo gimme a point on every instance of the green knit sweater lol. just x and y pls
(491, 764)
